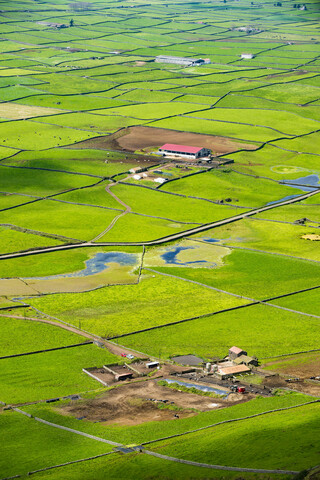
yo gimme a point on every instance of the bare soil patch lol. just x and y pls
(132, 139)
(130, 404)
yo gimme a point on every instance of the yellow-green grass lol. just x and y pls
(15, 111)
(114, 310)
(253, 274)
(211, 127)
(139, 228)
(296, 211)
(148, 431)
(51, 374)
(272, 435)
(40, 445)
(30, 135)
(152, 110)
(260, 330)
(307, 302)
(22, 336)
(291, 92)
(144, 467)
(73, 221)
(90, 121)
(266, 236)
(219, 185)
(39, 182)
(93, 162)
(307, 143)
(177, 208)
(284, 122)
(14, 241)
(290, 363)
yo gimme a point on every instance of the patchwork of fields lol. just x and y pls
(99, 259)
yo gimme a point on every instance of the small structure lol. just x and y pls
(136, 177)
(235, 352)
(120, 372)
(247, 56)
(160, 180)
(244, 359)
(184, 61)
(137, 170)
(184, 151)
(226, 372)
(152, 365)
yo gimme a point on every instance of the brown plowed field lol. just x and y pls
(132, 139)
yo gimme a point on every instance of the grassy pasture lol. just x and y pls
(50, 374)
(259, 235)
(72, 221)
(218, 185)
(154, 110)
(13, 241)
(93, 162)
(307, 302)
(115, 310)
(30, 135)
(284, 122)
(260, 330)
(39, 182)
(254, 274)
(41, 445)
(15, 112)
(174, 207)
(21, 336)
(71, 102)
(211, 127)
(273, 433)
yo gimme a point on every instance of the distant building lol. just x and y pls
(136, 177)
(184, 151)
(185, 61)
(247, 56)
(235, 352)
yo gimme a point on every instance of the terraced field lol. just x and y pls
(99, 259)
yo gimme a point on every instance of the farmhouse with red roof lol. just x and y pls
(186, 151)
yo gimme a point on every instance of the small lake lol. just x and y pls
(203, 388)
(309, 180)
(96, 264)
(170, 257)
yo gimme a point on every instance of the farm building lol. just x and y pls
(160, 180)
(225, 372)
(184, 151)
(247, 56)
(244, 359)
(235, 352)
(187, 62)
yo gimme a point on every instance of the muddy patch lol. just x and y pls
(132, 139)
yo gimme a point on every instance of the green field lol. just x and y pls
(75, 78)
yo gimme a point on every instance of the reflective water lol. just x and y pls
(170, 257)
(203, 388)
(96, 264)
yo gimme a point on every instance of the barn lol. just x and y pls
(186, 151)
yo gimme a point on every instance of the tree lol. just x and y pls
(71, 22)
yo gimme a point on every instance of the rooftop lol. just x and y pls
(234, 370)
(180, 148)
(236, 350)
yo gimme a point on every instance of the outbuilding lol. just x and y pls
(186, 151)
(235, 352)
(244, 359)
(227, 372)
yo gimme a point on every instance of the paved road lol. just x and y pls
(169, 238)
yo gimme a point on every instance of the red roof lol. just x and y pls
(180, 148)
(235, 350)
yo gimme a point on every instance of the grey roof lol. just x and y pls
(188, 360)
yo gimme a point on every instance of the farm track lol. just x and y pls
(169, 238)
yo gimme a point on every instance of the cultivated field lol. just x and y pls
(109, 249)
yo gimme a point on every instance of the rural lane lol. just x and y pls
(168, 238)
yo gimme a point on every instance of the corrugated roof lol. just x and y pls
(180, 148)
(234, 370)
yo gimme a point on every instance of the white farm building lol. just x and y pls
(186, 62)
(185, 151)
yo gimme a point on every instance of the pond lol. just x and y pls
(96, 264)
(203, 388)
(170, 257)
